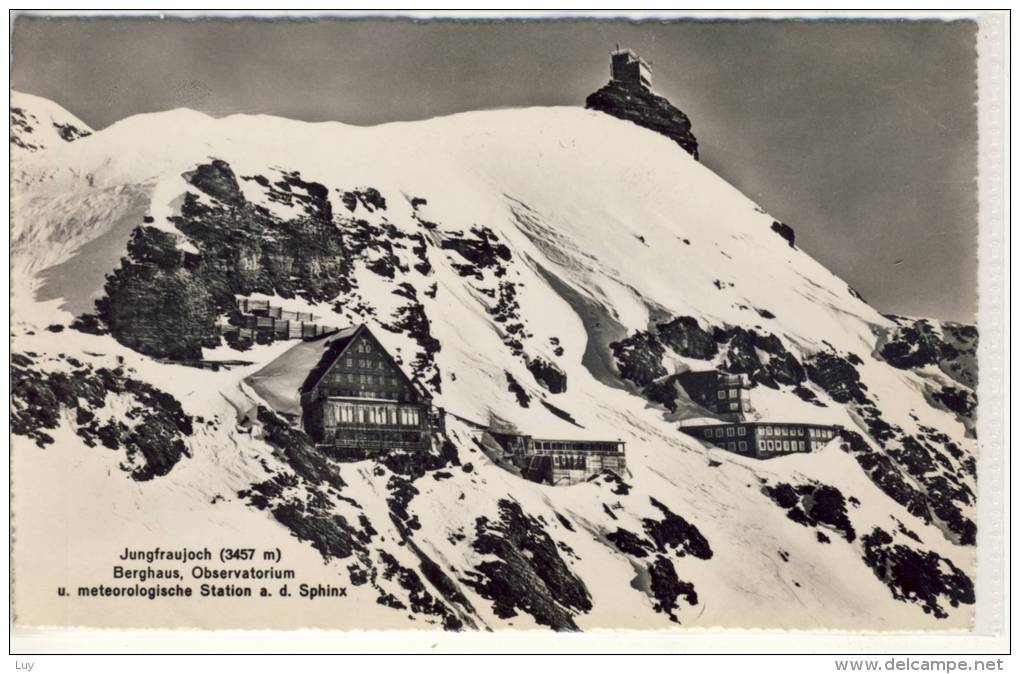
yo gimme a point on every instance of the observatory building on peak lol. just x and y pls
(629, 69)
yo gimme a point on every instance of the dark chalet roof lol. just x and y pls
(335, 349)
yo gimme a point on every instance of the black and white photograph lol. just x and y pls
(478, 325)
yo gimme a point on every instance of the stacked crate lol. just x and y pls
(261, 317)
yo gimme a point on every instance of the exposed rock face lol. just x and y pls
(916, 344)
(528, 573)
(639, 358)
(920, 577)
(838, 376)
(29, 132)
(814, 505)
(157, 302)
(548, 375)
(667, 587)
(638, 105)
(152, 438)
(785, 231)
(685, 336)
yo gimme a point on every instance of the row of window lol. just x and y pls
(378, 415)
(781, 430)
(783, 445)
(731, 431)
(733, 393)
(570, 462)
(579, 446)
(365, 363)
(820, 433)
(355, 378)
(401, 396)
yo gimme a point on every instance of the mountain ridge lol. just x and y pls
(601, 247)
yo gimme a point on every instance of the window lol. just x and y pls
(786, 445)
(741, 431)
(733, 393)
(732, 446)
(718, 432)
(708, 433)
(729, 432)
(743, 445)
(800, 445)
(722, 395)
(350, 361)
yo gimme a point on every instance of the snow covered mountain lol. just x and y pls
(547, 269)
(37, 124)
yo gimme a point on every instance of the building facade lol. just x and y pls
(566, 462)
(357, 397)
(763, 440)
(728, 395)
(562, 462)
(626, 67)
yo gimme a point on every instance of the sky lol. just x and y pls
(860, 135)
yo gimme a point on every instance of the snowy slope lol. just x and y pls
(596, 230)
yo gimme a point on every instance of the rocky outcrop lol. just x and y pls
(785, 231)
(152, 438)
(925, 578)
(157, 302)
(639, 358)
(838, 376)
(675, 533)
(528, 573)
(761, 356)
(552, 378)
(687, 338)
(916, 344)
(667, 587)
(639, 105)
(813, 505)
